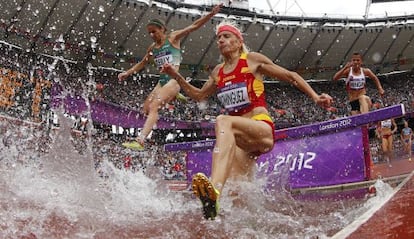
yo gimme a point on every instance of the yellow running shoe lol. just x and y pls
(207, 194)
(134, 145)
(180, 97)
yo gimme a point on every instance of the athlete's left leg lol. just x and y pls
(238, 139)
(160, 97)
(235, 135)
(365, 103)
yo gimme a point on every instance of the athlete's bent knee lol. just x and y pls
(222, 120)
(154, 106)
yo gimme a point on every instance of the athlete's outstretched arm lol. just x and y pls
(193, 92)
(263, 65)
(179, 34)
(377, 82)
(137, 67)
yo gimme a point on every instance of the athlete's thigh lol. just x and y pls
(384, 144)
(364, 99)
(387, 143)
(390, 142)
(252, 135)
(152, 95)
(168, 92)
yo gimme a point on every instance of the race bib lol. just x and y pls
(386, 124)
(357, 84)
(161, 59)
(234, 97)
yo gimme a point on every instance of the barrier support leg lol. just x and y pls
(367, 152)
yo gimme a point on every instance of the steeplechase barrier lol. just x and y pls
(322, 154)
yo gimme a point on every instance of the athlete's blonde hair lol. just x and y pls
(244, 48)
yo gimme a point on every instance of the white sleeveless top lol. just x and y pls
(386, 124)
(355, 82)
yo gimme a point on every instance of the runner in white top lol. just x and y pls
(356, 84)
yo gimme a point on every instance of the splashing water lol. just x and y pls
(58, 193)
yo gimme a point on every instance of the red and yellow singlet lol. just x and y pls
(239, 91)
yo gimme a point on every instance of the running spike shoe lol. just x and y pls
(207, 194)
(134, 145)
(180, 97)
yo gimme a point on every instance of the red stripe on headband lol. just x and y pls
(231, 29)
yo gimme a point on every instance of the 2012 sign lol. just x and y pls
(301, 161)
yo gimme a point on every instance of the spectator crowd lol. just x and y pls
(286, 106)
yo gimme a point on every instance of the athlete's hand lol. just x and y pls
(216, 9)
(348, 65)
(169, 70)
(122, 76)
(381, 92)
(324, 100)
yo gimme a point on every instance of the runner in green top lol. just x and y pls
(166, 48)
(167, 53)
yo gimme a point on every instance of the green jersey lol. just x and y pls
(166, 54)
